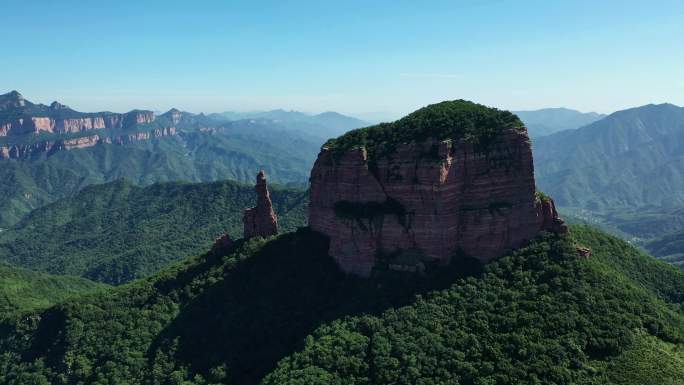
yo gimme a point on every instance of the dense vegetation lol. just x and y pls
(623, 173)
(23, 290)
(117, 231)
(669, 248)
(542, 315)
(446, 120)
(236, 153)
(659, 230)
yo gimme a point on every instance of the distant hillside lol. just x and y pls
(325, 125)
(23, 290)
(632, 158)
(669, 247)
(117, 232)
(64, 151)
(547, 121)
(278, 311)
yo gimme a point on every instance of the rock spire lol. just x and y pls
(261, 220)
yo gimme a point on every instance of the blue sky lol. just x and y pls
(368, 58)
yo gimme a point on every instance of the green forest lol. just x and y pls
(117, 232)
(457, 119)
(541, 315)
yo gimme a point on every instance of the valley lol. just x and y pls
(295, 304)
(342, 193)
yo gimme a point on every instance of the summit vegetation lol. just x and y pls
(454, 120)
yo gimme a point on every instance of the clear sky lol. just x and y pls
(366, 58)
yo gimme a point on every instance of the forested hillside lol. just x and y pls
(541, 315)
(23, 290)
(237, 154)
(632, 158)
(118, 231)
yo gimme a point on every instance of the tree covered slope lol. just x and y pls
(23, 290)
(235, 152)
(118, 231)
(669, 247)
(632, 158)
(277, 311)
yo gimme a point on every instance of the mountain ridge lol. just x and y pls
(548, 121)
(117, 232)
(630, 158)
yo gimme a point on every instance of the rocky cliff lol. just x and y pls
(261, 220)
(451, 179)
(47, 147)
(21, 117)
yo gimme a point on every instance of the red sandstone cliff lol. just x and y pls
(428, 201)
(261, 220)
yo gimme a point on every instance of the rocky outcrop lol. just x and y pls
(38, 124)
(428, 202)
(551, 221)
(26, 151)
(137, 117)
(21, 117)
(174, 115)
(222, 245)
(261, 220)
(82, 142)
(12, 100)
(146, 135)
(583, 251)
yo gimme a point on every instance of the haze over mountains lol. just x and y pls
(39, 146)
(625, 171)
(562, 308)
(547, 121)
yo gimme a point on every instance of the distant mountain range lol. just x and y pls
(568, 307)
(326, 125)
(551, 120)
(50, 152)
(630, 158)
(625, 173)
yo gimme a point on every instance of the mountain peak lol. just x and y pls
(12, 99)
(58, 106)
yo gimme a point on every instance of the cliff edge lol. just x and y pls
(454, 178)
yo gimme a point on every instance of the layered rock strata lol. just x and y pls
(428, 201)
(260, 220)
(26, 151)
(55, 125)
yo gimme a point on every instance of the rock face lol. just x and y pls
(18, 116)
(261, 220)
(428, 201)
(25, 151)
(222, 245)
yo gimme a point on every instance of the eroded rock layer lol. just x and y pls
(428, 201)
(47, 147)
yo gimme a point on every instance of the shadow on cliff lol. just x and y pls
(264, 308)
